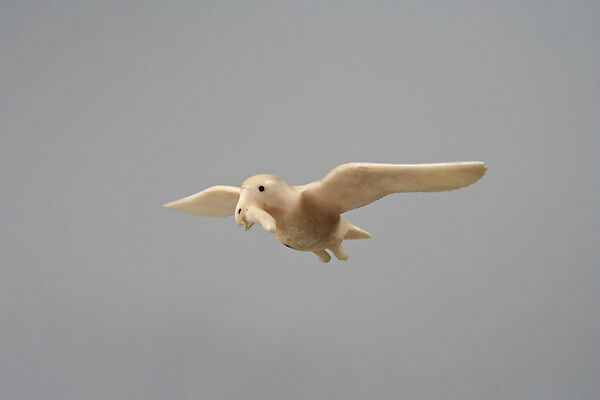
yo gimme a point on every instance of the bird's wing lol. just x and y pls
(354, 185)
(216, 201)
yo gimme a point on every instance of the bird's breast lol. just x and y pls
(305, 231)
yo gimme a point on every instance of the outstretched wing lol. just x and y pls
(216, 201)
(354, 185)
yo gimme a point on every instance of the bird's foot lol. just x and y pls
(322, 255)
(339, 252)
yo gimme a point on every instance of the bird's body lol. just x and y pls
(309, 228)
(308, 217)
(302, 223)
(305, 228)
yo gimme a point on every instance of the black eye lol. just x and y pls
(261, 188)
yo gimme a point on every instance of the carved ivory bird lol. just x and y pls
(308, 217)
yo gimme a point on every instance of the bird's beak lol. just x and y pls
(240, 219)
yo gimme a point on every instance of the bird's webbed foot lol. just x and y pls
(322, 255)
(339, 252)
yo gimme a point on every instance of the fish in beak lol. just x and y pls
(249, 216)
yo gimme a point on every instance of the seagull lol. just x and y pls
(308, 217)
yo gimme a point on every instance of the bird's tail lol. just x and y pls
(350, 231)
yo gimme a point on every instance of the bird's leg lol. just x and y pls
(339, 252)
(322, 255)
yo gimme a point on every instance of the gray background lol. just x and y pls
(108, 111)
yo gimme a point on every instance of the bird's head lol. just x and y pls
(260, 197)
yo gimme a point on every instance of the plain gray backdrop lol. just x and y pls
(109, 110)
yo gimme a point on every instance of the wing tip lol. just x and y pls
(484, 169)
(176, 205)
(475, 171)
(479, 171)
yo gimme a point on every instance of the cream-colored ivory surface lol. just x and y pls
(308, 217)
